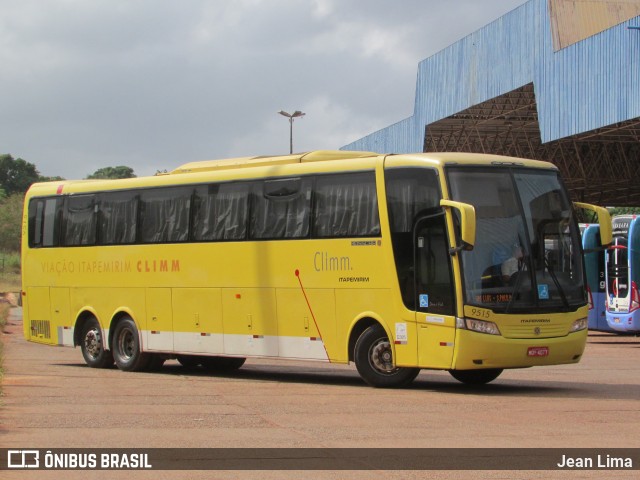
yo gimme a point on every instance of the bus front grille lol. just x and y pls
(534, 331)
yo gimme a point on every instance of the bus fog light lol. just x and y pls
(580, 324)
(482, 326)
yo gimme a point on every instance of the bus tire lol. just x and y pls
(222, 364)
(476, 377)
(126, 347)
(92, 345)
(374, 361)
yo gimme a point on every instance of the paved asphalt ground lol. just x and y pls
(51, 399)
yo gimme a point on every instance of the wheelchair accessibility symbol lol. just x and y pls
(543, 292)
(424, 301)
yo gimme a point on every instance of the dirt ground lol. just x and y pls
(51, 399)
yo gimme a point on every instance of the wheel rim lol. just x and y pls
(381, 357)
(126, 344)
(93, 343)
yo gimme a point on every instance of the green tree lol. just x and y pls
(16, 175)
(50, 179)
(11, 220)
(624, 211)
(113, 172)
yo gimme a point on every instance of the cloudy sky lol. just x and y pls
(152, 84)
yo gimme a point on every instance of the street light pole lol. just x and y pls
(291, 116)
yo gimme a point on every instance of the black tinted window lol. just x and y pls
(80, 220)
(281, 209)
(44, 221)
(410, 191)
(221, 212)
(346, 206)
(164, 215)
(118, 217)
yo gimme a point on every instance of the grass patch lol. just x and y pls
(9, 262)
(10, 280)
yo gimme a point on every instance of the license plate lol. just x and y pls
(538, 351)
(616, 320)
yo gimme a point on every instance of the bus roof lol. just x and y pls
(444, 158)
(463, 158)
(244, 162)
(195, 172)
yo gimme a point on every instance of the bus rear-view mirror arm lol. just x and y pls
(467, 223)
(604, 220)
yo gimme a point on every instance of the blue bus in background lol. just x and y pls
(622, 271)
(596, 284)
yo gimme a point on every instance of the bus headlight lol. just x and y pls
(480, 326)
(578, 325)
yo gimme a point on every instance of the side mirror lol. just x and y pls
(604, 220)
(467, 222)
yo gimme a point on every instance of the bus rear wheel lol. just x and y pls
(126, 347)
(476, 377)
(374, 360)
(92, 345)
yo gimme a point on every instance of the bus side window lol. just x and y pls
(221, 212)
(280, 209)
(36, 209)
(79, 221)
(164, 215)
(44, 222)
(346, 205)
(51, 224)
(118, 218)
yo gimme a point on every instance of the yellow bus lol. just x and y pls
(461, 262)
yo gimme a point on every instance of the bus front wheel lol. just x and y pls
(374, 360)
(126, 347)
(92, 345)
(476, 377)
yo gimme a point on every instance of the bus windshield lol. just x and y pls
(527, 253)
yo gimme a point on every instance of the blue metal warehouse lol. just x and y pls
(557, 80)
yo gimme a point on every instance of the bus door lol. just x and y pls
(434, 288)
